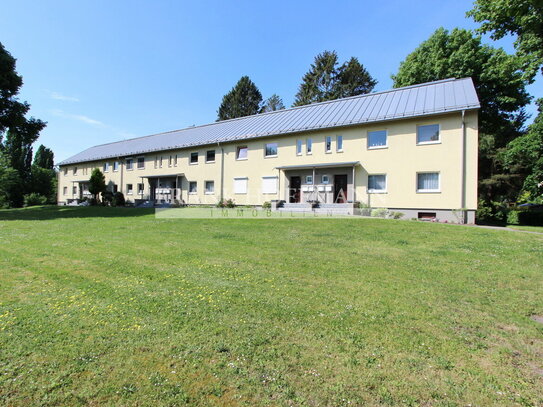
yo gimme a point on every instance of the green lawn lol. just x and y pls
(105, 306)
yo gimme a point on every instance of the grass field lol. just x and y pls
(105, 306)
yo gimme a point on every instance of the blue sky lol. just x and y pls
(100, 71)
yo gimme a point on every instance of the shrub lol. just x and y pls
(34, 199)
(380, 213)
(107, 197)
(397, 215)
(226, 203)
(118, 199)
(266, 205)
(512, 217)
(492, 212)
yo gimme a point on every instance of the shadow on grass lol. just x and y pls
(59, 212)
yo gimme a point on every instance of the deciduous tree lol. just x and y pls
(97, 183)
(44, 157)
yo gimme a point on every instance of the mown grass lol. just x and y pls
(105, 306)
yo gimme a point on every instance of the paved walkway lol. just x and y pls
(506, 228)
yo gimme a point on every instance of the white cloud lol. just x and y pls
(79, 117)
(59, 96)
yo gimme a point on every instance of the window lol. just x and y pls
(193, 187)
(106, 167)
(129, 164)
(377, 139)
(428, 134)
(170, 161)
(240, 185)
(75, 171)
(325, 179)
(156, 161)
(140, 189)
(309, 146)
(271, 150)
(339, 143)
(129, 189)
(426, 215)
(74, 190)
(209, 187)
(210, 156)
(328, 144)
(269, 185)
(299, 145)
(65, 190)
(160, 161)
(65, 170)
(115, 165)
(377, 183)
(241, 153)
(141, 163)
(175, 161)
(194, 158)
(428, 182)
(309, 179)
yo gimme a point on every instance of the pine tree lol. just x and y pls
(243, 100)
(273, 103)
(326, 81)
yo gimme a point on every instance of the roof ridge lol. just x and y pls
(283, 110)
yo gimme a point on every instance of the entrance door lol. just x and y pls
(294, 191)
(340, 188)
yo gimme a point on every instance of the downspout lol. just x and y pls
(222, 170)
(122, 167)
(464, 170)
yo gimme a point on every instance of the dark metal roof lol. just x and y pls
(419, 100)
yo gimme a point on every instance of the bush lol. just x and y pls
(34, 199)
(107, 198)
(226, 203)
(397, 215)
(266, 205)
(380, 213)
(118, 199)
(512, 217)
(492, 212)
(531, 218)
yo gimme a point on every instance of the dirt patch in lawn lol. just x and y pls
(537, 318)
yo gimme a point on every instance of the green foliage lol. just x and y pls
(97, 183)
(273, 103)
(520, 18)
(11, 194)
(501, 90)
(525, 154)
(35, 199)
(325, 80)
(118, 199)
(380, 213)
(492, 212)
(397, 215)
(243, 100)
(44, 158)
(266, 205)
(43, 181)
(107, 197)
(512, 217)
(226, 203)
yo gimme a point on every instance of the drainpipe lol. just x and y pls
(222, 170)
(122, 167)
(464, 170)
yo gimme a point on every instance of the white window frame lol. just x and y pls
(378, 191)
(276, 150)
(246, 155)
(105, 167)
(74, 171)
(116, 164)
(309, 179)
(325, 179)
(428, 191)
(327, 149)
(131, 190)
(195, 192)
(423, 143)
(309, 146)
(241, 185)
(141, 192)
(138, 163)
(65, 170)
(299, 146)
(339, 143)
(215, 156)
(131, 164)
(376, 147)
(265, 188)
(197, 158)
(206, 192)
